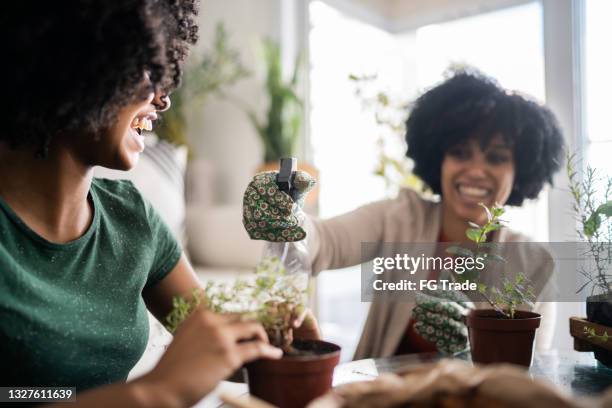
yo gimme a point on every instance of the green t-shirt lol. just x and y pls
(73, 314)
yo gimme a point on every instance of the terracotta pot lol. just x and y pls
(494, 339)
(599, 310)
(294, 381)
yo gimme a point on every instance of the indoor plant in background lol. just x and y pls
(205, 74)
(273, 297)
(502, 333)
(390, 114)
(592, 196)
(281, 127)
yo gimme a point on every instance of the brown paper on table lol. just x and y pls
(454, 384)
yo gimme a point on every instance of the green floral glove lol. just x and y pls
(440, 319)
(271, 214)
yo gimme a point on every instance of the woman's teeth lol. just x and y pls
(142, 123)
(472, 191)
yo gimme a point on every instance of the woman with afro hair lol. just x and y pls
(472, 142)
(82, 259)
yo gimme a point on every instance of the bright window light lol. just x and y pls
(598, 83)
(343, 136)
(343, 139)
(492, 43)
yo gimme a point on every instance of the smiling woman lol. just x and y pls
(81, 258)
(122, 67)
(472, 142)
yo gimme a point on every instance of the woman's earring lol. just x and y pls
(162, 103)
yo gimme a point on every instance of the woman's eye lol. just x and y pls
(459, 153)
(498, 158)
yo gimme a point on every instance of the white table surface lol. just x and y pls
(212, 400)
(344, 373)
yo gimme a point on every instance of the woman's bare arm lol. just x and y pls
(191, 367)
(137, 394)
(180, 281)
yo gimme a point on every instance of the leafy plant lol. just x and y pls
(592, 194)
(592, 334)
(512, 291)
(205, 74)
(281, 128)
(390, 115)
(270, 296)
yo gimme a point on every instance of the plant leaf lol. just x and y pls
(605, 209)
(473, 234)
(592, 224)
(495, 257)
(457, 250)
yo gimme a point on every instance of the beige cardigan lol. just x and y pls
(336, 243)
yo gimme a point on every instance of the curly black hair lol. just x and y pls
(472, 105)
(70, 65)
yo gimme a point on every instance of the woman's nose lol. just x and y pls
(161, 101)
(476, 172)
(477, 167)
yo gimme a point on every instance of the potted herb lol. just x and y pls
(592, 196)
(501, 334)
(272, 297)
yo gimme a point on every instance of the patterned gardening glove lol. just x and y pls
(440, 319)
(271, 214)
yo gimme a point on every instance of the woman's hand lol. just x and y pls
(306, 326)
(271, 214)
(440, 319)
(206, 349)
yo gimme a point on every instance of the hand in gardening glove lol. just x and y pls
(440, 319)
(271, 214)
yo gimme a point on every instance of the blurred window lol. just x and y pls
(598, 85)
(343, 136)
(343, 141)
(492, 43)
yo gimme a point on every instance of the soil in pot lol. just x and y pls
(495, 339)
(296, 379)
(599, 310)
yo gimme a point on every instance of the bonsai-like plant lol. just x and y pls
(592, 196)
(205, 74)
(271, 296)
(280, 129)
(390, 115)
(512, 291)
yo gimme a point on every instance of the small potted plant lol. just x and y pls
(274, 298)
(593, 208)
(501, 334)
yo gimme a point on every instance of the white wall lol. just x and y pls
(401, 15)
(220, 131)
(563, 96)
